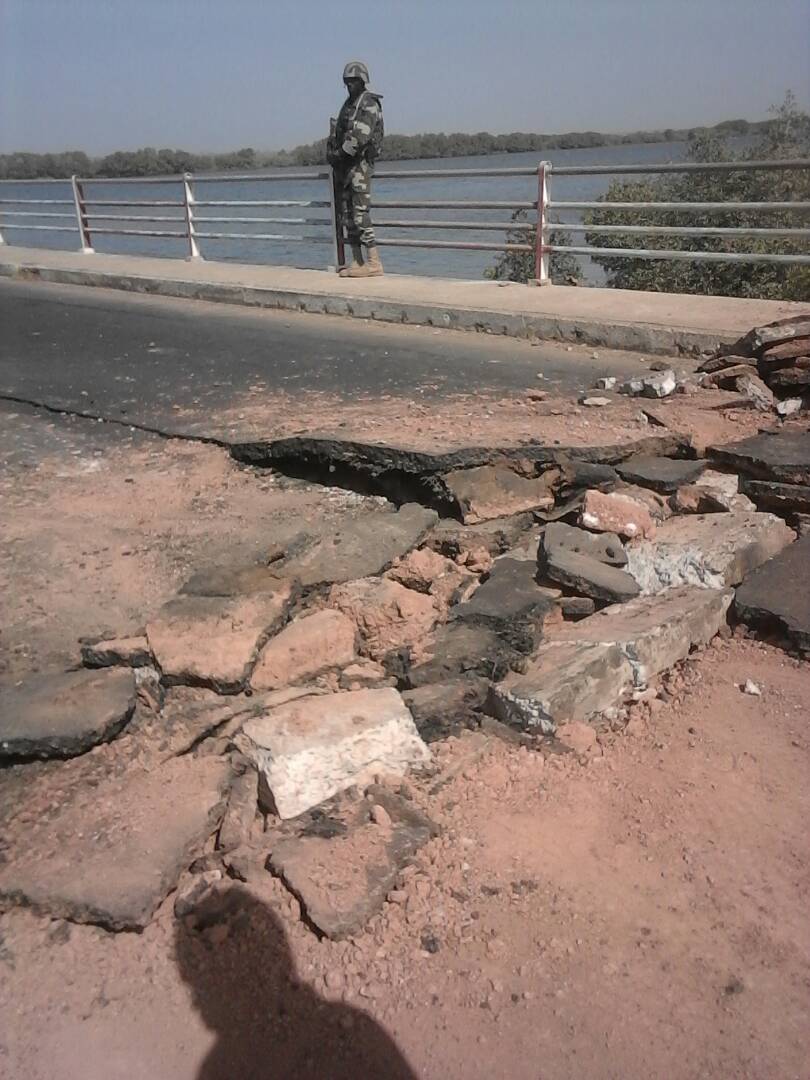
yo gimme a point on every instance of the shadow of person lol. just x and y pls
(268, 1025)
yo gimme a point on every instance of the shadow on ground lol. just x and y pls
(270, 1026)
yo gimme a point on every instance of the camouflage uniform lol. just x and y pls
(356, 123)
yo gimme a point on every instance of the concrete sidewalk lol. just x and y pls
(613, 318)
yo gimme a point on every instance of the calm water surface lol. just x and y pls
(317, 253)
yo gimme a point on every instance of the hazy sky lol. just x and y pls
(100, 75)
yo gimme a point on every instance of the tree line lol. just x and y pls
(787, 138)
(149, 161)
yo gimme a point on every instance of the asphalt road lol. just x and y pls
(142, 360)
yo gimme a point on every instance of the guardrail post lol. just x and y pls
(541, 253)
(337, 224)
(81, 216)
(188, 204)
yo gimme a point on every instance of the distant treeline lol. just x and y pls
(150, 162)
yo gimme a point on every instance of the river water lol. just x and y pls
(318, 253)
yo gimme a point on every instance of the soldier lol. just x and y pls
(352, 149)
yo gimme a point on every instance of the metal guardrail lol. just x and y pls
(193, 215)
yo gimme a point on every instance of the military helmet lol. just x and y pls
(356, 69)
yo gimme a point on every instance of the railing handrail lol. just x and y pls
(91, 203)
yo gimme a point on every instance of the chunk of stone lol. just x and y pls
(494, 491)
(342, 875)
(795, 378)
(364, 675)
(607, 382)
(594, 402)
(303, 649)
(657, 505)
(576, 475)
(789, 407)
(782, 455)
(429, 572)
(196, 891)
(360, 547)
(113, 857)
(214, 641)
(440, 709)
(728, 376)
(654, 632)
(240, 813)
(564, 682)
(723, 363)
(117, 652)
(782, 498)
(576, 607)
(612, 512)
(660, 473)
(763, 337)
(453, 539)
(658, 384)
(512, 603)
(777, 356)
(557, 536)
(755, 389)
(589, 576)
(66, 714)
(387, 615)
(460, 648)
(776, 596)
(311, 749)
(710, 550)
(239, 580)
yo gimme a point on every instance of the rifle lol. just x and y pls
(337, 199)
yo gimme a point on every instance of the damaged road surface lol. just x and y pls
(337, 723)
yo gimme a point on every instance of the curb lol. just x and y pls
(633, 337)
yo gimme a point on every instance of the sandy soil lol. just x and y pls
(641, 912)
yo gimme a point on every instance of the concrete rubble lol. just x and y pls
(64, 715)
(560, 593)
(315, 747)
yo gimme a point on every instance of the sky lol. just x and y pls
(101, 75)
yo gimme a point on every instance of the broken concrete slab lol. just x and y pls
(512, 603)
(660, 473)
(305, 647)
(214, 641)
(710, 550)
(756, 391)
(496, 491)
(113, 857)
(588, 576)
(66, 714)
(654, 633)
(723, 363)
(458, 648)
(426, 571)
(776, 356)
(441, 709)
(776, 333)
(361, 547)
(563, 682)
(453, 539)
(364, 675)
(782, 498)
(240, 813)
(239, 580)
(659, 384)
(615, 514)
(783, 456)
(777, 595)
(386, 614)
(117, 652)
(606, 548)
(314, 748)
(576, 607)
(341, 869)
